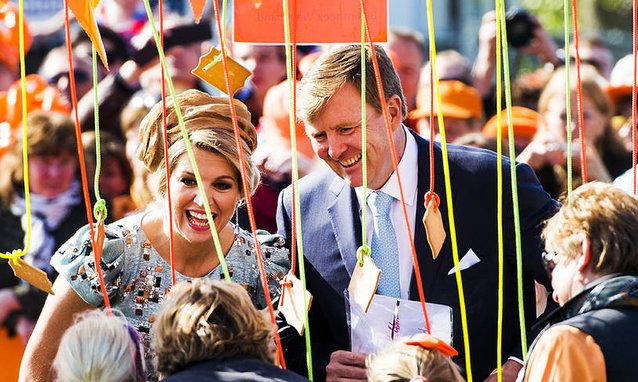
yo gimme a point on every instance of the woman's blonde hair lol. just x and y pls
(98, 348)
(605, 215)
(208, 320)
(401, 362)
(48, 133)
(209, 126)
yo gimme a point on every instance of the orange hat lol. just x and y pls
(40, 96)
(458, 100)
(10, 36)
(617, 93)
(524, 122)
(275, 120)
(429, 341)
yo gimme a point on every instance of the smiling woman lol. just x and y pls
(136, 256)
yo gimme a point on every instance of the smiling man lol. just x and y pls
(331, 203)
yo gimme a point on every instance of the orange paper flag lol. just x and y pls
(313, 22)
(83, 11)
(198, 8)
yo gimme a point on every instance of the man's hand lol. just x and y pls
(509, 370)
(346, 366)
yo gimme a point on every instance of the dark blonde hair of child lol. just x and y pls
(402, 363)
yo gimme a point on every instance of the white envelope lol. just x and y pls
(466, 261)
(387, 320)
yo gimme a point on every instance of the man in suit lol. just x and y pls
(330, 105)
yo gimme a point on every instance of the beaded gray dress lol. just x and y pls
(137, 277)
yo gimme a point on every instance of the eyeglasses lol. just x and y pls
(80, 76)
(549, 261)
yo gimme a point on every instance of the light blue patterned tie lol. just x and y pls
(384, 244)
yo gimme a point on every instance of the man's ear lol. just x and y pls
(584, 260)
(394, 111)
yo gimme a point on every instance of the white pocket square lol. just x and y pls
(466, 261)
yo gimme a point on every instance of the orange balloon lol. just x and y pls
(39, 95)
(10, 36)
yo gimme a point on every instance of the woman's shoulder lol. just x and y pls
(113, 233)
(75, 262)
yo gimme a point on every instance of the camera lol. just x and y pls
(520, 27)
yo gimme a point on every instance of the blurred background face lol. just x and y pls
(55, 69)
(407, 59)
(51, 175)
(265, 62)
(180, 61)
(112, 179)
(556, 118)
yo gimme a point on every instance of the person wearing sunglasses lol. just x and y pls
(592, 257)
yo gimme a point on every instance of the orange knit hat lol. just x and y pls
(458, 100)
(524, 122)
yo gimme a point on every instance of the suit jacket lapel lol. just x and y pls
(345, 220)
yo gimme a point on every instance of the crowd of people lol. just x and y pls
(174, 318)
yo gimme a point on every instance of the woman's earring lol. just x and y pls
(237, 239)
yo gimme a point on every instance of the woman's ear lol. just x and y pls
(584, 260)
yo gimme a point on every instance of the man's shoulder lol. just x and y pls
(317, 182)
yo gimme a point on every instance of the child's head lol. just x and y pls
(420, 358)
(99, 347)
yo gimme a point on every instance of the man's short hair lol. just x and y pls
(339, 66)
(605, 215)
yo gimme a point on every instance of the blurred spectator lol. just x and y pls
(10, 44)
(40, 96)
(524, 124)
(273, 157)
(55, 69)
(527, 88)
(122, 16)
(592, 256)
(593, 51)
(115, 173)
(546, 154)
(116, 47)
(540, 45)
(143, 187)
(209, 330)
(100, 348)
(268, 66)
(450, 65)
(461, 108)
(619, 91)
(57, 210)
(420, 358)
(306, 62)
(406, 48)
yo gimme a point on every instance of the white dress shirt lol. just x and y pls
(409, 170)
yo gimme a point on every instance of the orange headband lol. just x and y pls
(429, 341)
